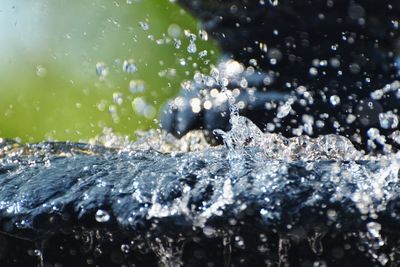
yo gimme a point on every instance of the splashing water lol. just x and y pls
(160, 181)
(155, 181)
(261, 194)
(187, 183)
(364, 184)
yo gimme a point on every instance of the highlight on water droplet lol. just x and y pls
(101, 69)
(118, 98)
(285, 109)
(129, 66)
(174, 31)
(203, 35)
(144, 25)
(125, 248)
(41, 71)
(136, 86)
(102, 216)
(274, 2)
(334, 100)
(192, 48)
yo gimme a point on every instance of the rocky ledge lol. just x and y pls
(74, 204)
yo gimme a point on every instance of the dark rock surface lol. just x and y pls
(69, 204)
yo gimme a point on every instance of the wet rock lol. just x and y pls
(74, 205)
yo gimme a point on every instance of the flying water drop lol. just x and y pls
(129, 66)
(285, 109)
(102, 216)
(144, 25)
(101, 69)
(136, 86)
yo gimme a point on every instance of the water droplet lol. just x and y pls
(203, 35)
(136, 86)
(209, 231)
(192, 48)
(377, 94)
(274, 2)
(125, 248)
(214, 72)
(388, 120)
(396, 136)
(129, 66)
(118, 98)
(332, 214)
(174, 31)
(37, 252)
(319, 264)
(313, 71)
(350, 118)
(203, 53)
(144, 25)
(97, 252)
(285, 109)
(41, 71)
(182, 62)
(102, 216)
(383, 259)
(177, 43)
(373, 133)
(263, 47)
(354, 68)
(334, 100)
(101, 69)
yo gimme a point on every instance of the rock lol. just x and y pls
(76, 204)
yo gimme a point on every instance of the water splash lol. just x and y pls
(206, 185)
(244, 133)
(255, 173)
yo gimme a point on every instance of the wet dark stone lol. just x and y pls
(51, 193)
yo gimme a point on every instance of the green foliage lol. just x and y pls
(49, 86)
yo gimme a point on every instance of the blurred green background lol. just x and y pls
(49, 50)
